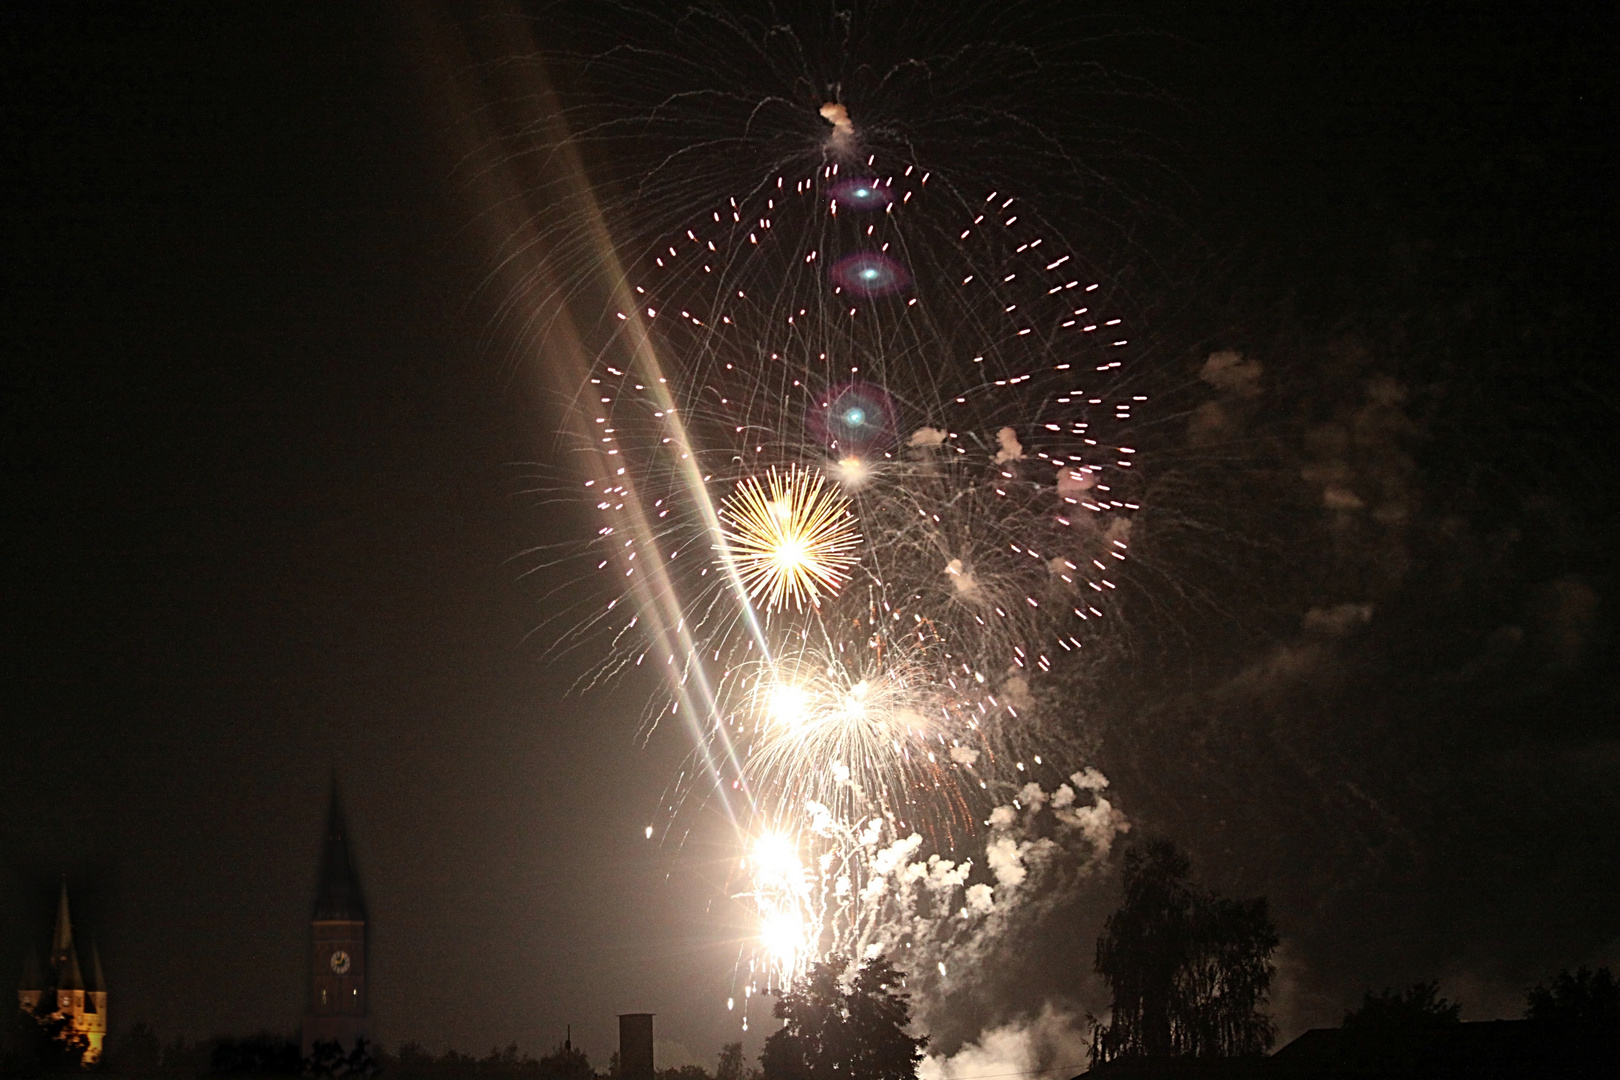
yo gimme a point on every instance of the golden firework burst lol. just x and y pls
(791, 536)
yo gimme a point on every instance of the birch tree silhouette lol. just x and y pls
(1190, 971)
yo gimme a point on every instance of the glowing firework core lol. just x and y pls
(781, 885)
(791, 537)
(788, 705)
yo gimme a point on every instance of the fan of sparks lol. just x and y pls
(792, 537)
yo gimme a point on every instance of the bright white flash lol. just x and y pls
(788, 705)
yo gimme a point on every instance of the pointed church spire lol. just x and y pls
(64, 958)
(98, 980)
(62, 939)
(338, 895)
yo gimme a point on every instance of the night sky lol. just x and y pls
(269, 458)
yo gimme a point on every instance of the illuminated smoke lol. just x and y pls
(842, 138)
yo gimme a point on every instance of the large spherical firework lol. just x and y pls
(791, 538)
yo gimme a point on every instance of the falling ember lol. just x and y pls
(791, 537)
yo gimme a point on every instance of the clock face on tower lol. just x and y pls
(340, 962)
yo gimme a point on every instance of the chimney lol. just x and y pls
(635, 1046)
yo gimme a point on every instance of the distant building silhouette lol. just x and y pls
(1479, 1050)
(338, 1010)
(84, 1006)
(636, 1046)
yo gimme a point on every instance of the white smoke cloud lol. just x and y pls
(1089, 779)
(1005, 857)
(1210, 423)
(1099, 824)
(843, 133)
(926, 438)
(1563, 612)
(1361, 462)
(942, 918)
(1051, 1044)
(897, 855)
(1335, 497)
(1073, 483)
(1338, 620)
(962, 579)
(1232, 373)
(1238, 379)
(1011, 448)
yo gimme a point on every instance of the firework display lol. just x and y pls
(873, 468)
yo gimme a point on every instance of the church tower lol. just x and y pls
(84, 1006)
(338, 1010)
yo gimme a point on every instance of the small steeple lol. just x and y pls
(31, 977)
(62, 938)
(98, 981)
(64, 958)
(338, 896)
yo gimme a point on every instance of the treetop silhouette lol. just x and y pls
(1190, 971)
(841, 1027)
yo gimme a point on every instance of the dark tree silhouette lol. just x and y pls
(327, 1059)
(732, 1065)
(136, 1052)
(684, 1072)
(566, 1062)
(1419, 1005)
(1583, 996)
(413, 1062)
(45, 1043)
(264, 1054)
(1189, 971)
(833, 1033)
